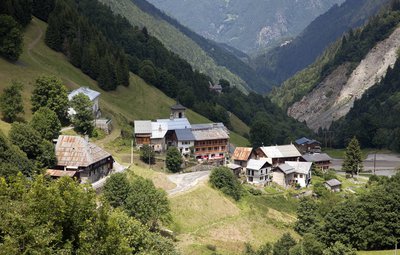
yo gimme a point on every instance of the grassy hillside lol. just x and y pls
(138, 101)
(175, 41)
(204, 218)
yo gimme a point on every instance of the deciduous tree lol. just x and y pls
(83, 119)
(11, 102)
(225, 180)
(173, 160)
(117, 189)
(46, 122)
(284, 244)
(50, 92)
(147, 154)
(147, 203)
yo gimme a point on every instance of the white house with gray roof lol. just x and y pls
(257, 171)
(91, 94)
(292, 173)
(185, 140)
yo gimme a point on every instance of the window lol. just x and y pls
(295, 176)
(261, 178)
(301, 176)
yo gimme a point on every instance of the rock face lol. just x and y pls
(335, 96)
(247, 25)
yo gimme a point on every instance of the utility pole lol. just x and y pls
(132, 152)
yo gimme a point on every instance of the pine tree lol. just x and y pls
(352, 161)
(10, 38)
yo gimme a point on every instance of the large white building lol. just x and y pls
(257, 171)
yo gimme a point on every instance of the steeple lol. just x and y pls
(178, 111)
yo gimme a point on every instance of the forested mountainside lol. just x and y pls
(284, 61)
(249, 26)
(79, 29)
(203, 54)
(353, 65)
(374, 119)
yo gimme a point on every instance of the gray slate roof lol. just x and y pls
(91, 94)
(305, 140)
(281, 151)
(210, 134)
(295, 167)
(317, 157)
(175, 124)
(142, 127)
(184, 134)
(178, 107)
(256, 164)
(333, 182)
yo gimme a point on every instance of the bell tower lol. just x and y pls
(178, 111)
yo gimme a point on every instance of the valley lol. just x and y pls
(124, 132)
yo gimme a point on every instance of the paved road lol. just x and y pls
(385, 164)
(117, 169)
(185, 182)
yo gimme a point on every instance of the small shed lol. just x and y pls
(333, 185)
(236, 169)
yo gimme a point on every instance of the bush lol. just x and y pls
(224, 179)
(255, 192)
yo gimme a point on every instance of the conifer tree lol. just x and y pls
(352, 161)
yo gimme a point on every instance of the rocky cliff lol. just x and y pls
(335, 95)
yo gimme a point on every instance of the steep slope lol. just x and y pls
(246, 25)
(175, 41)
(138, 101)
(284, 61)
(223, 55)
(361, 60)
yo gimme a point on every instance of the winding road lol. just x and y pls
(185, 182)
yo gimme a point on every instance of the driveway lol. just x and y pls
(185, 182)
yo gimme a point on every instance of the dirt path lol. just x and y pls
(185, 182)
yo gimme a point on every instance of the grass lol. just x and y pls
(204, 217)
(239, 126)
(138, 101)
(4, 127)
(388, 252)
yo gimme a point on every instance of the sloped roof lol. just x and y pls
(300, 167)
(333, 182)
(287, 169)
(210, 134)
(142, 126)
(233, 166)
(92, 94)
(305, 140)
(60, 173)
(75, 151)
(158, 130)
(242, 153)
(174, 124)
(209, 126)
(281, 151)
(257, 164)
(184, 134)
(317, 157)
(178, 107)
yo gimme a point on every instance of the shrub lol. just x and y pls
(223, 179)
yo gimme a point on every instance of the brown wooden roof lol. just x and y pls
(242, 153)
(76, 151)
(60, 173)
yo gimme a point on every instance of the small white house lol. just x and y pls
(292, 173)
(185, 140)
(257, 170)
(91, 94)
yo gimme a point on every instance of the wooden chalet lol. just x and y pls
(242, 155)
(77, 157)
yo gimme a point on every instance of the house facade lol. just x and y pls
(185, 141)
(82, 159)
(143, 131)
(320, 160)
(306, 145)
(257, 171)
(211, 142)
(292, 173)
